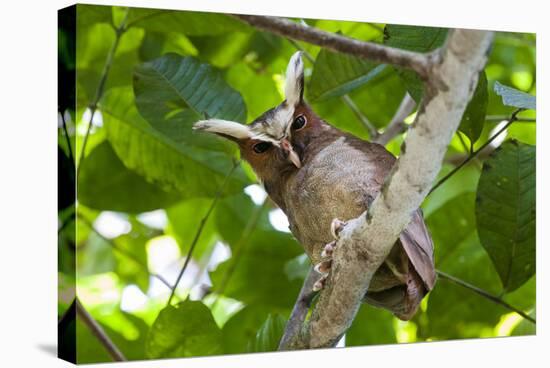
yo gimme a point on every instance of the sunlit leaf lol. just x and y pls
(506, 212)
(187, 329)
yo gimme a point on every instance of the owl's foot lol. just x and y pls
(320, 284)
(325, 265)
(336, 227)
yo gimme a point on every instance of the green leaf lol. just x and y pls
(335, 74)
(371, 326)
(185, 330)
(174, 167)
(185, 22)
(506, 212)
(269, 335)
(513, 97)
(474, 115)
(526, 327)
(258, 88)
(413, 38)
(240, 330)
(451, 224)
(173, 92)
(65, 180)
(457, 312)
(92, 14)
(106, 184)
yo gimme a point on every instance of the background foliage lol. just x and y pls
(147, 182)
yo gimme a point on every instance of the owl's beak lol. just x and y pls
(292, 155)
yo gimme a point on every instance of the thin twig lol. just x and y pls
(512, 118)
(373, 133)
(499, 118)
(123, 251)
(485, 294)
(101, 86)
(300, 310)
(200, 229)
(98, 332)
(369, 50)
(68, 139)
(397, 124)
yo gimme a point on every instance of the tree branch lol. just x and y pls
(99, 333)
(300, 310)
(367, 240)
(397, 124)
(368, 50)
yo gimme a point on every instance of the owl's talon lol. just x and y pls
(323, 267)
(329, 249)
(320, 284)
(336, 227)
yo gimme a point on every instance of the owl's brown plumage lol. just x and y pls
(316, 173)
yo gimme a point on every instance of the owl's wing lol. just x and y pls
(418, 245)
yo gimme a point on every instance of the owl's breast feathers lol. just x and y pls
(340, 176)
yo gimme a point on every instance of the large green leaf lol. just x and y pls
(174, 167)
(173, 92)
(506, 212)
(185, 330)
(106, 184)
(413, 38)
(513, 97)
(474, 115)
(185, 22)
(335, 74)
(258, 88)
(269, 334)
(451, 224)
(240, 331)
(371, 326)
(457, 312)
(88, 14)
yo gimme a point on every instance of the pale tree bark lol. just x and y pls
(367, 240)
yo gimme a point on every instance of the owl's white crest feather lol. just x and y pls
(225, 127)
(294, 85)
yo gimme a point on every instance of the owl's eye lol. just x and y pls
(261, 147)
(299, 122)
